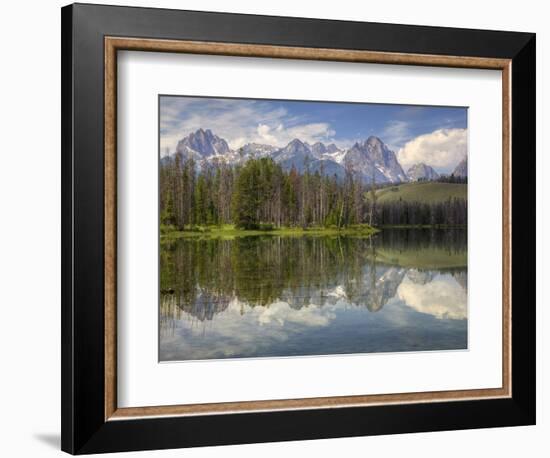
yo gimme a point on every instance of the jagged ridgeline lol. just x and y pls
(371, 159)
(205, 182)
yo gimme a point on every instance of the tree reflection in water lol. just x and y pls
(217, 293)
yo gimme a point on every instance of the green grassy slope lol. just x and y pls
(429, 192)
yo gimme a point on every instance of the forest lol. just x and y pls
(260, 194)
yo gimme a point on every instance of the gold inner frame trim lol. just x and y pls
(114, 44)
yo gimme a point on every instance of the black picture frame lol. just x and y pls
(84, 429)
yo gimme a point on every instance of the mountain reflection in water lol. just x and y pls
(401, 290)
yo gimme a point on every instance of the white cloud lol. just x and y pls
(264, 132)
(281, 312)
(237, 121)
(442, 298)
(280, 135)
(242, 329)
(443, 149)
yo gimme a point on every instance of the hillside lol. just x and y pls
(429, 192)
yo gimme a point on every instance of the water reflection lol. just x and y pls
(401, 290)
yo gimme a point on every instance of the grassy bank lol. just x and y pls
(230, 231)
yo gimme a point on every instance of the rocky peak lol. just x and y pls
(203, 142)
(332, 148)
(296, 145)
(422, 171)
(378, 160)
(319, 148)
(461, 170)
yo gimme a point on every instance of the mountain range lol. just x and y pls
(371, 158)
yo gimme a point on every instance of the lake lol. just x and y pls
(268, 296)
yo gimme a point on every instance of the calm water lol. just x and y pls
(401, 290)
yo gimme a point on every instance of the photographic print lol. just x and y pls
(299, 228)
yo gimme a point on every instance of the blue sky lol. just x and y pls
(436, 135)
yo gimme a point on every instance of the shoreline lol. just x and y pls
(230, 232)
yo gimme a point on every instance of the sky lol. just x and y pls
(436, 136)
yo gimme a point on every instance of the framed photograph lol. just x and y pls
(282, 228)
